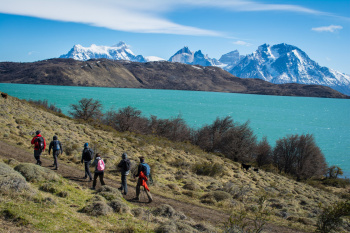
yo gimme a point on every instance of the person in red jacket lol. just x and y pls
(39, 146)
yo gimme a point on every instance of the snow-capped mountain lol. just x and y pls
(285, 63)
(230, 59)
(278, 64)
(185, 55)
(120, 51)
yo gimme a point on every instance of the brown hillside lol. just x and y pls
(150, 75)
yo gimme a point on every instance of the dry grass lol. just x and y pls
(292, 203)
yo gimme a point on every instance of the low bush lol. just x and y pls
(208, 169)
(35, 173)
(331, 217)
(167, 211)
(97, 208)
(337, 182)
(109, 193)
(10, 180)
(14, 217)
(119, 207)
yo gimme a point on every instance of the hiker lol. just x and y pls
(99, 170)
(143, 172)
(39, 146)
(86, 158)
(56, 148)
(124, 164)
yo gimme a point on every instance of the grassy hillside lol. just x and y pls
(180, 171)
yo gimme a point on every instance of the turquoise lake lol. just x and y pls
(272, 116)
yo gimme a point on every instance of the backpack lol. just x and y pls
(56, 145)
(88, 154)
(100, 165)
(126, 165)
(146, 169)
(39, 143)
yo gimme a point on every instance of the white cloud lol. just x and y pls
(134, 16)
(246, 5)
(331, 28)
(243, 43)
(131, 16)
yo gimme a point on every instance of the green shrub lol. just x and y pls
(208, 169)
(97, 208)
(14, 217)
(109, 193)
(331, 217)
(35, 173)
(337, 182)
(119, 207)
(48, 187)
(10, 180)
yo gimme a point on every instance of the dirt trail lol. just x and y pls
(195, 212)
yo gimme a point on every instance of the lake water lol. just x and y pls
(272, 116)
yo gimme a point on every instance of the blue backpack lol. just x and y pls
(56, 145)
(146, 169)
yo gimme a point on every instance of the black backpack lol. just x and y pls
(126, 165)
(88, 154)
(39, 143)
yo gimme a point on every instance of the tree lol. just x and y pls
(263, 153)
(224, 136)
(86, 109)
(334, 171)
(299, 156)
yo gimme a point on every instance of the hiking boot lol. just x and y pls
(150, 200)
(92, 188)
(136, 199)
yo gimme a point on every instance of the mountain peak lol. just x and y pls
(121, 44)
(116, 52)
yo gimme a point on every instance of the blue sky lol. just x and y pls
(32, 30)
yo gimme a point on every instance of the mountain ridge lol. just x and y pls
(280, 63)
(149, 75)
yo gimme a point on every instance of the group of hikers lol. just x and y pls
(143, 170)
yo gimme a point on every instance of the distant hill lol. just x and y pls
(149, 75)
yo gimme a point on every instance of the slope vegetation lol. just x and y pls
(193, 198)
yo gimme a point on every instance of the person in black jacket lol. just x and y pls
(86, 158)
(124, 166)
(56, 147)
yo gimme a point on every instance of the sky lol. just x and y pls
(32, 30)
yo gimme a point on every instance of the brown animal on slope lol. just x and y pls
(4, 95)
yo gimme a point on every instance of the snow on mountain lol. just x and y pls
(154, 58)
(119, 51)
(278, 64)
(285, 63)
(230, 59)
(185, 55)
